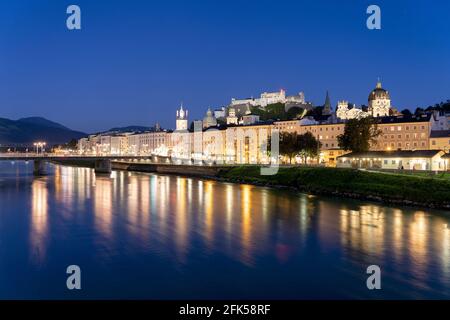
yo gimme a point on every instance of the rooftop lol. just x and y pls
(440, 134)
(404, 119)
(393, 154)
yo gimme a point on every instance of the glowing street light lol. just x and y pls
(39, 145)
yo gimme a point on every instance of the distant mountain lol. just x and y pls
(43, 122)
(26, 131)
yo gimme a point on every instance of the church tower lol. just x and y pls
(327, 105)
(182, 119)
(379, 101)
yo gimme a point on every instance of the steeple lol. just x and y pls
(182, 119)
(182, 114)
(327, 105)
(379, 83)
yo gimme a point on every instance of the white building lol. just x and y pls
(220, 113)
(379, 102)
(345, 111)
(427, 160)
(83, 146)
(209, 120)
(182, 119)
(119, 145)
(249, 119)
(232, 118)
(265, 99)
(297, 99)
(441, 121)
(180, 138)
(379, 106)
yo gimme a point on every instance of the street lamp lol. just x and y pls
(40, 145)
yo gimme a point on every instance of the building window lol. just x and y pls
(433, 142)
(385, 162)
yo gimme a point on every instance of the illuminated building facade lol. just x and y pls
(394, 160)
(440, 140)
(244, 138)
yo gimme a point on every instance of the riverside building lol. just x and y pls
(243, 139)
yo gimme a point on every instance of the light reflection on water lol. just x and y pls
(39, 221)
(151, 236)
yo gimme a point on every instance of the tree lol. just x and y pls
(292, 144)
(309, 145)
(359, 134)
(406, 112)
(72, 144)
(419, 111)
(270, 112)
(289, 145)
(294, 113)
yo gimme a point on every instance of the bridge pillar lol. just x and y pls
(102, 166)
(39, 168)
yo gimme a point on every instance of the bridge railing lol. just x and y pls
(34, 155)
(31, 155)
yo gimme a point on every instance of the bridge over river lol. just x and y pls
(102, 162)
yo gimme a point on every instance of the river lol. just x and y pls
(148, 236)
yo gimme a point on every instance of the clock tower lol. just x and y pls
(182, 119)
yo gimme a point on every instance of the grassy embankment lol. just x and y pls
(386, 187)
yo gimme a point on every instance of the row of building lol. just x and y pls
(244, 139)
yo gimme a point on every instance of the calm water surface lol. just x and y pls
(159, 237)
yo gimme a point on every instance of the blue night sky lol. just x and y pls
(134, 61)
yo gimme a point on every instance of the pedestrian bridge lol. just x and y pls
(102, 162)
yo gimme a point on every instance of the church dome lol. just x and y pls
(379, 93)
(209, 120)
